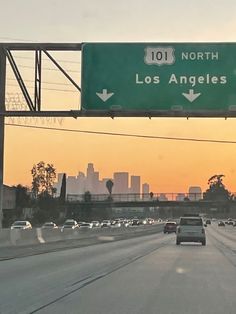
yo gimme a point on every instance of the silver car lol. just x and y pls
(190, 229)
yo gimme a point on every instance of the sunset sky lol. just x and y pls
(169, 166)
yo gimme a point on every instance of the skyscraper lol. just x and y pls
(195, 193)
(90, 177)
(121, 180)
(81, 182)
(57, 185)
(145, 188)
(72, 185)
(95, 183)
(135, 184)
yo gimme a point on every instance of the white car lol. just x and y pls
(95, 223)
(49, 225)
(190, 229)
(70, 224)
(86, 225)
(105, 223)
(21, 224)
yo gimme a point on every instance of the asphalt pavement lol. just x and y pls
(148, 274)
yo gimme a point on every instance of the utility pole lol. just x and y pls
(2, 118)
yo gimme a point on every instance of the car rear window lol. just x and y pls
(171, 224)
(190, 222)
(20, 223)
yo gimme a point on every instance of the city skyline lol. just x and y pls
(90, 180)
(124, 183)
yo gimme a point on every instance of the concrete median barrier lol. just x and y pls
(40, 236)
(52, 235)
(24, 237)
(5, 237)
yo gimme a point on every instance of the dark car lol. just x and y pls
(135, 222)
(221, 224)
(229, 221)
(170, 226)
(208, 222)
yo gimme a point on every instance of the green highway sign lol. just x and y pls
(182, 78)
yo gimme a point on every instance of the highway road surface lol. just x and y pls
(148, 274)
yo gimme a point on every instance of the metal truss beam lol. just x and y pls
(34, 104)
(62, 70)
(20, 80)
(42, 46)
(113, 114)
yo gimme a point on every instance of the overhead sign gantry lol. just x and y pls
(160, 79)
(138, 79)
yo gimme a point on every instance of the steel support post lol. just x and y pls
(37, 80)
(2, 108)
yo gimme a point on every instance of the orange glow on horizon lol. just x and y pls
(168, 166)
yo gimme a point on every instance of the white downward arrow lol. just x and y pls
(191, 96)
(104, 96)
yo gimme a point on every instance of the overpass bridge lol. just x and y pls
(155, 201)
(137, 197)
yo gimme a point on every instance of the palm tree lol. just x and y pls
(109, 186)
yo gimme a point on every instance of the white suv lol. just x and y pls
(191, 229)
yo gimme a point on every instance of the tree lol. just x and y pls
(217, 190)
(86, 212)
(22, 196)
(47, 208)
(43, 176)
(50, 179)
(63, 190)
(109, 186)
(87, 196)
